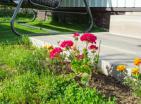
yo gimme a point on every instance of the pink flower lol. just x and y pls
(55, 52)
(88, 37)
(66, 44)
(76, 35)
(93, 47)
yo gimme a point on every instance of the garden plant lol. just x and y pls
(133, 80)
(80, 60)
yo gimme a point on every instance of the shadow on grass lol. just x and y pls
(8, 37)
(56, 27)
(63, 27)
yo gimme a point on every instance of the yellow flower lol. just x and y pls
(135, 71)
(48, 47)
(121, 68)
(137, 61)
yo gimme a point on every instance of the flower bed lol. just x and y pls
(69, 57)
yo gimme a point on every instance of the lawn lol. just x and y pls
(26, 78)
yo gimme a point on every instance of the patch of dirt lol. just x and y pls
(110, 87)
(10, 71)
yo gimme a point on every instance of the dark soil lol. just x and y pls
(110, 87)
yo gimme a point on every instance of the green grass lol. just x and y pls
(64, 27)
(46, 27)
(25, 78)
(50, 89)
(13, 54)
(38, 27)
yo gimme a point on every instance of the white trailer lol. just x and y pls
(103, 3)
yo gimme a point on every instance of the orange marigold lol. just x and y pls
(137, 61)
(121, 68)
(135, 71)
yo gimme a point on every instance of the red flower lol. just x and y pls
(76, 35)
(66, 44)
(93, 47)
(55, 52)
(88, 37)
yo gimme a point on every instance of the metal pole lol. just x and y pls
(90, 16)
(14, 17)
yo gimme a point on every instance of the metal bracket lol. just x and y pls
(20, 4)
(14, 17)
(90, 16)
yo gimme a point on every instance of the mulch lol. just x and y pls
(111, 87)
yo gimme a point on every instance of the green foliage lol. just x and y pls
(33, 89)
(85, 79)
(13, 54)
(81, 65)
(6, 11)
(25, 41)
(134, 81)
(135, 85)
(87, 63)
(6, 72)
(20, 89)
(36, 85)
(33, 61)
(3, 74)
(22, 58)
(78, 95)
